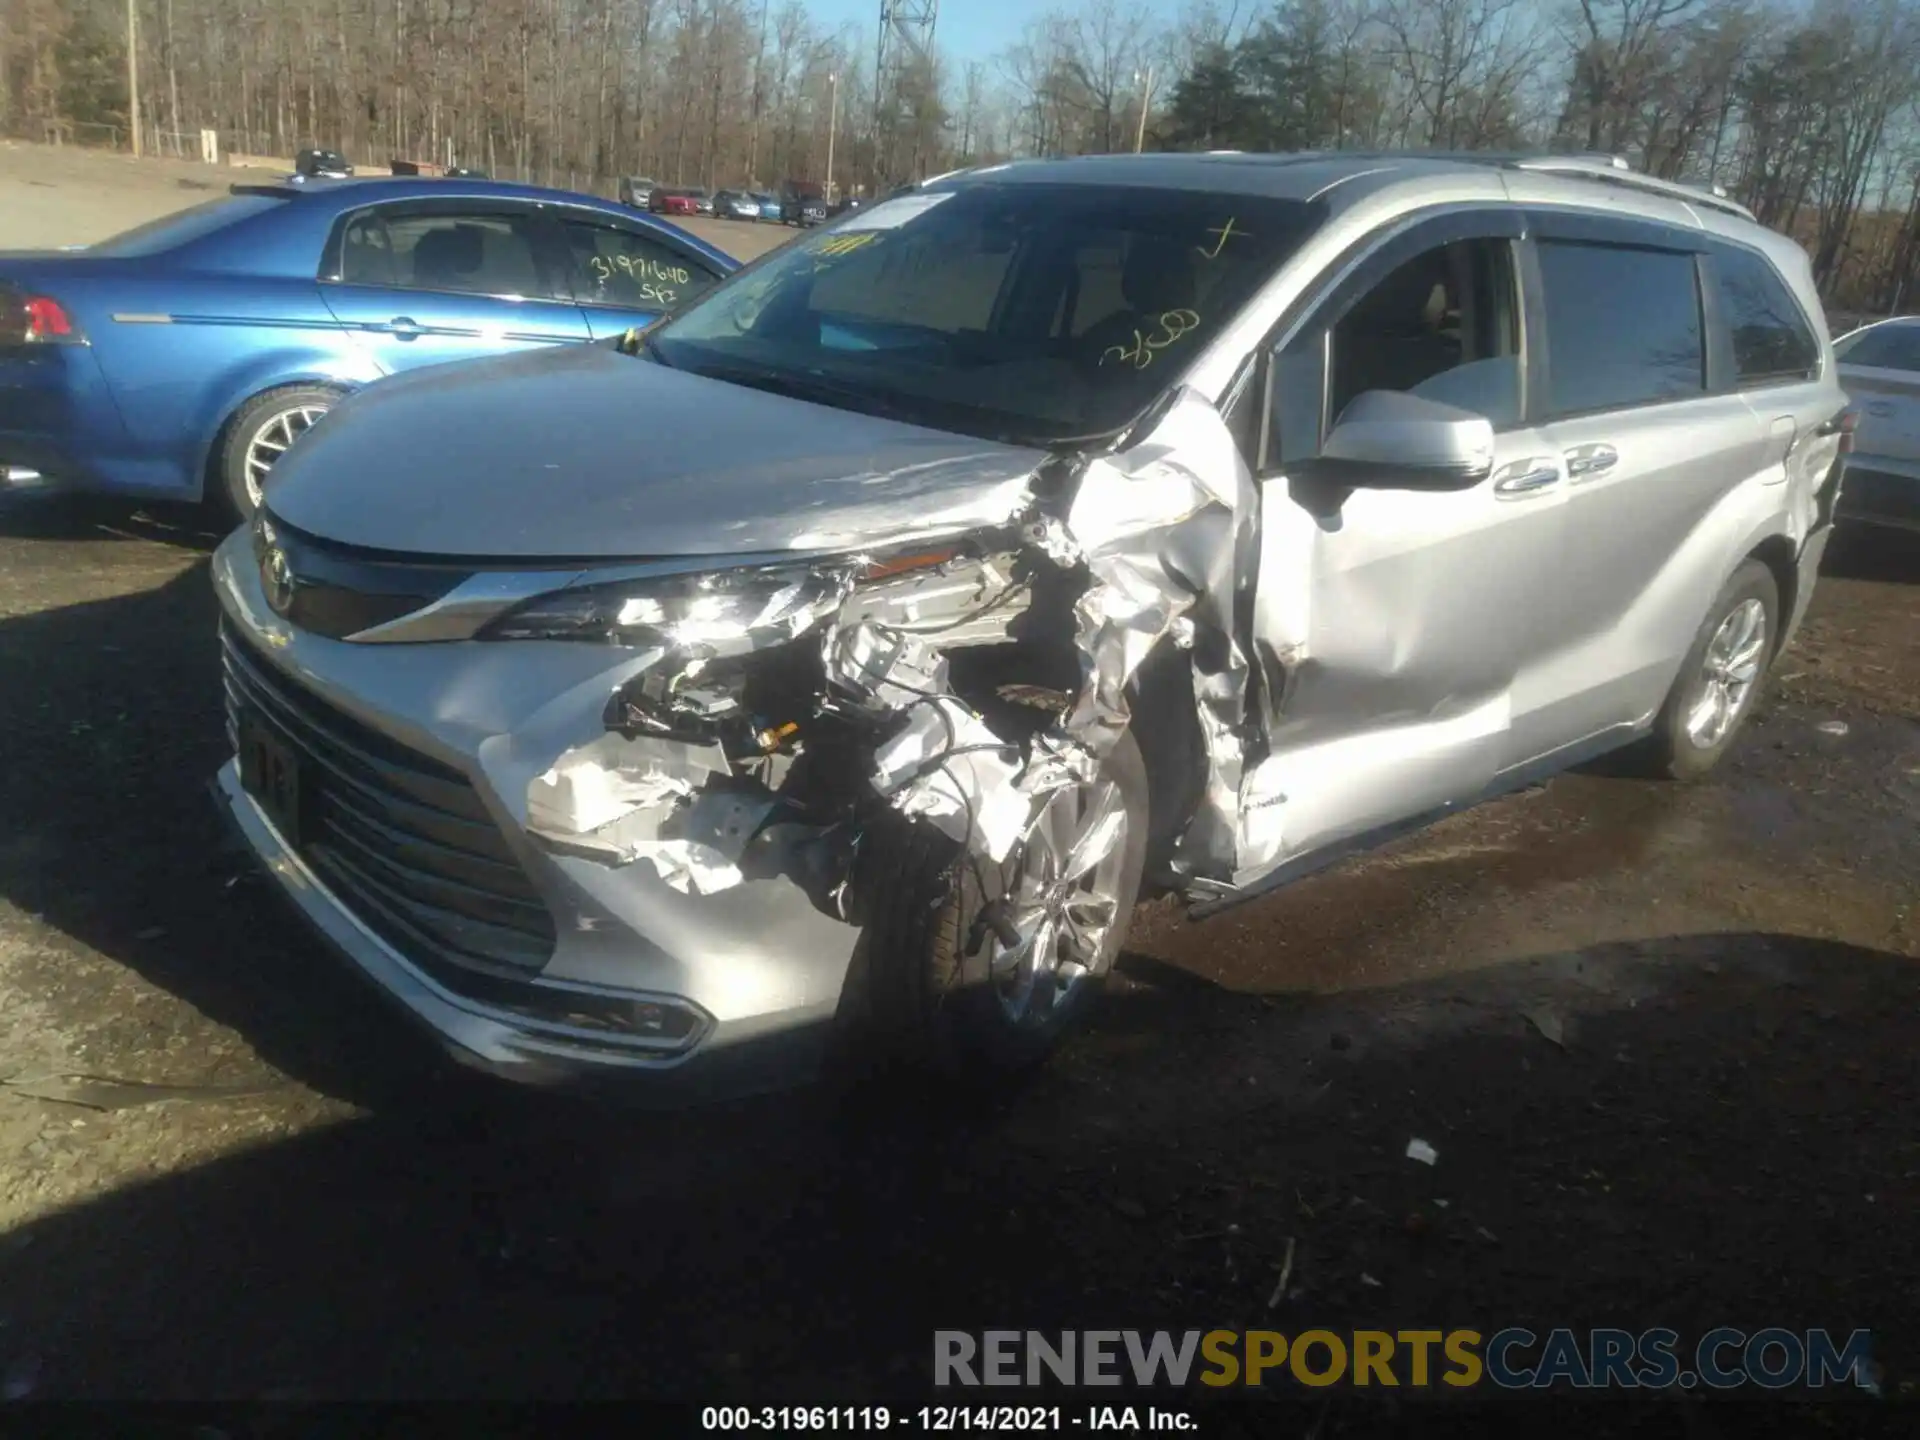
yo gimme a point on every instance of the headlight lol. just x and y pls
(711, 615)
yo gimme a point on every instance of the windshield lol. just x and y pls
(1885, 347)
(1026, 312)
(172, 231)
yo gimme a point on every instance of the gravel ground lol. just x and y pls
(1663, 1039)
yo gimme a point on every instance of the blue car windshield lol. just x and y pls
(170, 232)
(1024, 312)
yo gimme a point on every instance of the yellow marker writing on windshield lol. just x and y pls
(1226, 232)
(1173, 324)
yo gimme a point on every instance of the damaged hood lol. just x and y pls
(586, 453)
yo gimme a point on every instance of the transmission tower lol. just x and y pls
(906, 45)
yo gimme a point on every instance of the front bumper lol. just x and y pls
(1880, 490)
(758, 970)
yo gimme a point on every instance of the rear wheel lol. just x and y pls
(968, 996)
(261, 432)
(1721, 677)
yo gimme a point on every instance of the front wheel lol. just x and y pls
(1720, 679)
(969, 995)
(264, 430)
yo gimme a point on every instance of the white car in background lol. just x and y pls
(1880, 371)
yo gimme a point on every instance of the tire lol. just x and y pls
(259, 421)
(932, 997)
(1688, 737)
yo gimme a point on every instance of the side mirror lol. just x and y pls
(1386, 440)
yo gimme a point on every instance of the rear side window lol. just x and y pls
(1885, 347)
(618, 267)
(1771, 338)
(1623, 327)
(472, 254)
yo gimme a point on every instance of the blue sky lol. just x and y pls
(967, 29)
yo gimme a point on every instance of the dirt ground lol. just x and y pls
(1662, 1038)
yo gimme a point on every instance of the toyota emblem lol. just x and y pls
(276, 578)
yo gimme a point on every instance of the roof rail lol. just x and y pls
(1614, 170)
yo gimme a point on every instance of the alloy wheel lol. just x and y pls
(1729, 670)
(1064, 900)
(273, 438)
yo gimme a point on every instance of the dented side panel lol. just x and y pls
(1403, 644)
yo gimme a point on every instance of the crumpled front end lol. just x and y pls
(688, 766)
(960, 686)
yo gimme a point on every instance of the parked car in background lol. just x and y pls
(673, 200)
(322, 164)
(184, 357)
(1187, 520)
(637, 191)
(802, 205)
(735, 205)
(466, 172)
(701, 199)
(843, 205)
(1880, 368)
(769, 205)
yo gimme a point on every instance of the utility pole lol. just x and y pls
(833, 118)
(133, 75)
(1146, 99)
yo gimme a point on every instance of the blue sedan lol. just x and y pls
(179, 360)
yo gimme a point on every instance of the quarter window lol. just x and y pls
(630, 270)
(471, 254)
(1771, 338)
(1623, 327)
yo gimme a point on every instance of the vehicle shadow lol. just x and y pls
(112, 837)
(95, 517)
(1705, 1104)
(1859, 552)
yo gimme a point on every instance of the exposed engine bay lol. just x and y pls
(955, 683)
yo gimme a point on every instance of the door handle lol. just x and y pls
(403, 327)
(1586, 461)
(1524, 477)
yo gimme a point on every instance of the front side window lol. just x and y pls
(636, 272)
(1444, 325)
(1771, 338)
(476, 254)
(1028, 312)
(1883, 347)
(1623, 327)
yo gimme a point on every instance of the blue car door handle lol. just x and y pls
(403, 327)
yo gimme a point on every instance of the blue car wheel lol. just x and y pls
(263, 430)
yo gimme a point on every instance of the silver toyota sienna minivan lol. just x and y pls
(849, 652)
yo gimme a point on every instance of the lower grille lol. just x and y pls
(402, 840)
